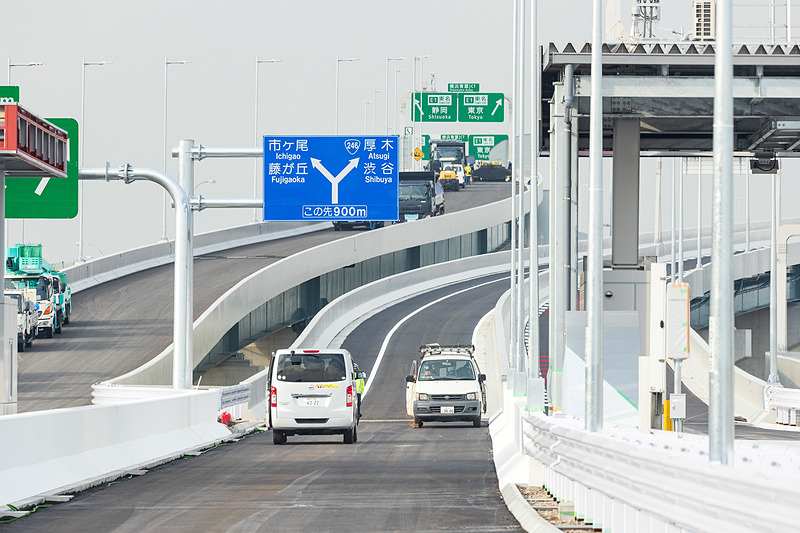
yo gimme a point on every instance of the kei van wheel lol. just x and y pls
(476, 423)
(418, 422)
(350, 435)
(278, 437)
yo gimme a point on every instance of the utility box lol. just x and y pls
(8, 368)
(677, 406)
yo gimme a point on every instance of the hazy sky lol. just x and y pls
(211, 99)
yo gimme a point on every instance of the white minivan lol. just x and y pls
(312, 392)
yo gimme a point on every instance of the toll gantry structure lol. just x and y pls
(658, 101)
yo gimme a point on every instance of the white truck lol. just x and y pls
(446, 386)
(27, 326)
(42, 290)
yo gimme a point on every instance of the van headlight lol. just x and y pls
(472, 396)
(422, 397)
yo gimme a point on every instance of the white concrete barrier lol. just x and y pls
(48, 452)
(107, 268)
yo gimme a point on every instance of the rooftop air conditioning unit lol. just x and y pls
(705, 20)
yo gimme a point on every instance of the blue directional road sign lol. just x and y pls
(331, 178)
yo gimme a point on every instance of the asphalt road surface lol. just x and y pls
(120, 325)
(395, 478)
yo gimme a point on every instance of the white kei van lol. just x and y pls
(312, 392)
(447, 387)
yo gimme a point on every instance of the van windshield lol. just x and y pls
(444, 369)
(311, 367)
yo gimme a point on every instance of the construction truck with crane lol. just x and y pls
(28, 272)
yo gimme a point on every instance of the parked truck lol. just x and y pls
(444, 152)
(27, 271)
(421, 195)
(27, 319)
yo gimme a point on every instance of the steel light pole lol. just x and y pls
(167, 63)
(418, 131)
(10, 65)
(255, 134)
(594, 271)
(81, 257)
(366, 114)
(395, 102)
(387, 88)
(374, 105)
(339, 60)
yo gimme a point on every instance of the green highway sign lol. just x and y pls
(435, 107)
(426, 146)
(459, 107)
(47, 197)
(481, 107)
(9, 94)
(481, 145)
(463, 87)
(463, 137)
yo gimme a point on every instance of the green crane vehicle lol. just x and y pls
(27, 271)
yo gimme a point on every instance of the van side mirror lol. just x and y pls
(481, 378)
(410, 379)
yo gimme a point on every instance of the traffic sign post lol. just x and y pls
(481, 145)
(481, 107)
(331, 178)
(435, 107)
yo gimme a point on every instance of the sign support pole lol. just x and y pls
(181, 377)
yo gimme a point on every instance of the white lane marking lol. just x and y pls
(389, 335)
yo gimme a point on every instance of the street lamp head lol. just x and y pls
(396, 58)
(10, 64)
(349, 59)
(179, 62)
(268, 60)
(203, 183)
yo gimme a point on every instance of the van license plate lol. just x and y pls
(313, 401)
(448, 410)
(412, 217)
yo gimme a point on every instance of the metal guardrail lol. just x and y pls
(626, 481)
(786, 402)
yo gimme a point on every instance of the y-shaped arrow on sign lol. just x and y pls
(334, 180)
(496, 105)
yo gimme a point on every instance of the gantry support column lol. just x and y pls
(625, 194)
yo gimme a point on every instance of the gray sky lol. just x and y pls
(211, 99)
